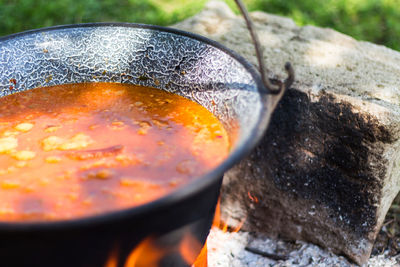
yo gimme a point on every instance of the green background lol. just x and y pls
(377, 21)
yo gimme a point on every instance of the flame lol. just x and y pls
(202, 260)
(217, 222)
(223, 226)
(113, 259)
(146, 254)
(189, 249)
(149, 254)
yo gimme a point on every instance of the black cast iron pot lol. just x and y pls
(172, 60)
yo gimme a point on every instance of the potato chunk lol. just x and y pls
(24, 155)
(8, 184)
(52, 128)
(7, 144)
(52, 143)
(78, 141)
(102, 174)
(53, 159)
(24, 127)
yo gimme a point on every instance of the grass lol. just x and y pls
(377, 21)
(19, 15)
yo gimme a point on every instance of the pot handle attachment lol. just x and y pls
(277, 89)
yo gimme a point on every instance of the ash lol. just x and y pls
(242, 249)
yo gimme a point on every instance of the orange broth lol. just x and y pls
(75, 150)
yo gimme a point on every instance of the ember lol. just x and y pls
(252, 198)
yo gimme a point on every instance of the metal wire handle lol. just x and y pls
(271, 88)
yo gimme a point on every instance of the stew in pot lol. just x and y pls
(75, 150)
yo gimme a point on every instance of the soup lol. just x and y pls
(76, 150)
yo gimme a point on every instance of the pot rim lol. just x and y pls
(186, 190)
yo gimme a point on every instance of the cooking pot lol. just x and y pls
(179, 62)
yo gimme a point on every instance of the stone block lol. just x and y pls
(327, 170)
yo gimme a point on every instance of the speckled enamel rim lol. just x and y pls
(185, 191)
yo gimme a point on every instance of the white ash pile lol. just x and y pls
(242, 249)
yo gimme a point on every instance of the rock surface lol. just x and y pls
(327, 169)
